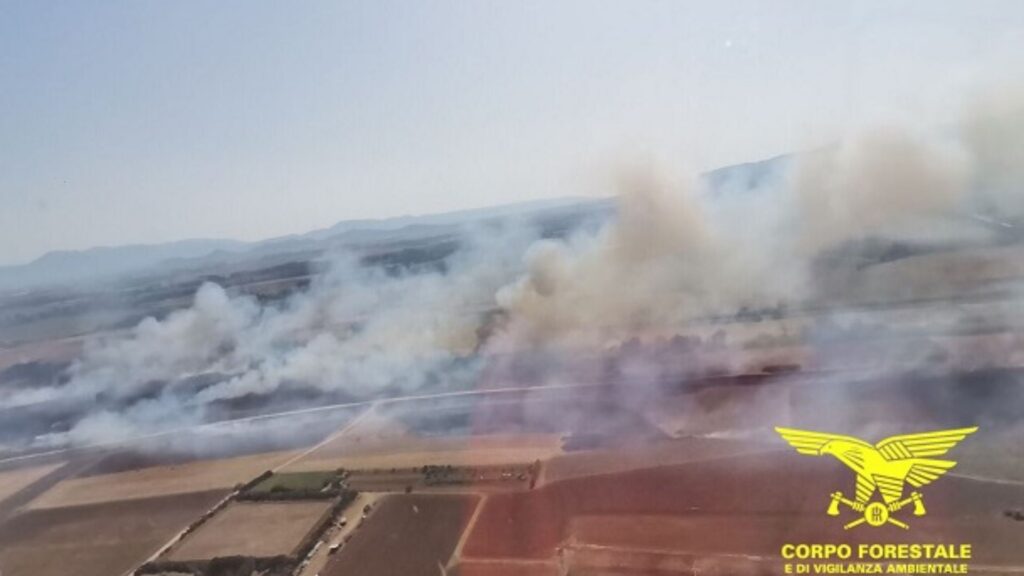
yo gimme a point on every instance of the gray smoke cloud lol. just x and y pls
(652, 266)
(679, 251)
(357, 331)
(993, 131)
(886, 181)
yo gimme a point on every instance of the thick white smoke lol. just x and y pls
(663, 261)
(356, 331)
(887, 181)
(206, 337)
(676, 252)
(993, 131)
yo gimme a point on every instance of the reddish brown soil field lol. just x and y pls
(531, 524)
(647, 455)
(510, 568)
(405, 536)
(96, 540)
(743, 505)
(594, 562)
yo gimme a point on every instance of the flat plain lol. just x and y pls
(158, 481)
(13, 481)
(258, 529)
(405, 536)
(96, 540)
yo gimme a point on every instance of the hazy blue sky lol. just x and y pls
(140, 121)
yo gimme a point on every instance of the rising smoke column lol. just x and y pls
(884, 181)
(676, 252)
(660, 263)
(993, 131)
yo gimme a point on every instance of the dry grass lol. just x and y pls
(354, 452)
(159, 481)
(100, 540)
(259, 529)
(13, 481)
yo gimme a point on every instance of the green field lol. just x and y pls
(294, 481)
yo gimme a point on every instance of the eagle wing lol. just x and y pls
(810, 443)
(919, 448)
(922, 445)
(921, 472)
(925, 471)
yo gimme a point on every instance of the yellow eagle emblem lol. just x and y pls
(884, 468)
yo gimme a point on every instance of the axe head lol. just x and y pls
(833, 507)
(918, 504)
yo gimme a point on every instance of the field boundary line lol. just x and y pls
(330, 438)
(227, 499)
(457, 552)
(182, 533)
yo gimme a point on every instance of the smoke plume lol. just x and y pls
(679, 255)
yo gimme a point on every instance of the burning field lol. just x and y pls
(893, 249)
(594, 387)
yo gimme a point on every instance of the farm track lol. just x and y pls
(14, 502)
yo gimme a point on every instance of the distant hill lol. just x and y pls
(97, 264)
(747, 177)
(69, 266)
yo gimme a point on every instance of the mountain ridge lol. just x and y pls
(104, 262)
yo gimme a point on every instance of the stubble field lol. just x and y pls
(96, 540)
